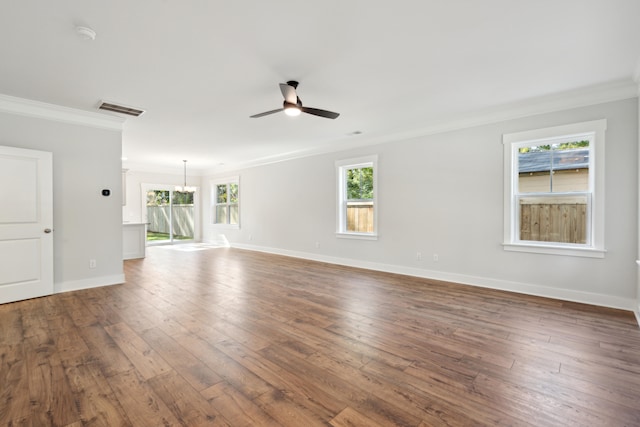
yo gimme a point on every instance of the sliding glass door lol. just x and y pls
(170, 214)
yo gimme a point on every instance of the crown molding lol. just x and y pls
(583, 97)
(163, 169)
(43, 110)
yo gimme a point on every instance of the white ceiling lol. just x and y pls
(200, 68)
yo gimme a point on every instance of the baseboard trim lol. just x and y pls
(482, 282)
(94, 282)
(637, 313)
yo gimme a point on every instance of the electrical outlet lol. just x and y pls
(317, 244)
(93, 263)
(418, 256)
(435, 257)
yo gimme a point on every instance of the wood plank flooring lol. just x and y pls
(226, 337)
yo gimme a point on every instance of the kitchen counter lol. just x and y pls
(134, 240)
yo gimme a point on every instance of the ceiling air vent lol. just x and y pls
(108, 106)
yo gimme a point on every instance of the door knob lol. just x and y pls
(47, 230)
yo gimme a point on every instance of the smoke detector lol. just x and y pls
(86, 33)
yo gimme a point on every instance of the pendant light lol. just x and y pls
(184, 187)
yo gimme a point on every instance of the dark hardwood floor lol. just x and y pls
(237, 338)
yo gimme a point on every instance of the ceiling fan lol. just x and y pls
(292, 105)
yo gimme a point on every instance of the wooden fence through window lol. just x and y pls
(562, 220)
(183, 224)
(360, 217)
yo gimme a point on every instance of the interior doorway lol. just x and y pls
(170, 214)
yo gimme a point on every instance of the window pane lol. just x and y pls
(234, 214)
(157, 198)
(158, 227)
(221, 192)
(561, 219)
(182, 222)
(571, 169)
(534, 182)
(556, 168)
(221, 214)
(182, 215)
(360, 217)
(233, 193)
(183, 197)
(359, 183)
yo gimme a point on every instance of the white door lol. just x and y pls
(26, 224)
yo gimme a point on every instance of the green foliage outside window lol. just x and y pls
(233, 193)
(221, 192)
(161, 197)
(183, 197)
(227, 193)
(360, 183)
(157, 198)
(563, 146)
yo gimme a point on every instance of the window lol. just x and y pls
(554, 190)
(357, 202)
(226, 207)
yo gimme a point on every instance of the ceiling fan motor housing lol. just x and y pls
(295, 108)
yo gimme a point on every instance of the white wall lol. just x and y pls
(443, 194)
(86, 224)
(637, 308)
(134, 210)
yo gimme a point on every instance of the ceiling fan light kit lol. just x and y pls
(292, 106)
(292, 110)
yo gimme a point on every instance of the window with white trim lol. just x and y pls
(554, 190)
(226, 202)
(357, 201)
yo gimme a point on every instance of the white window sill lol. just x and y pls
(227, 226)
(358, 236)
(554, 250)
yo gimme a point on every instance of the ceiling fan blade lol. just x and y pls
(266, 113)
(321, 113)
(289, 93)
